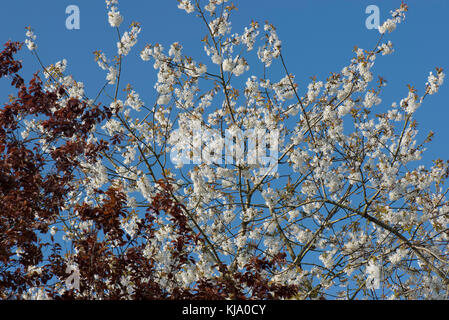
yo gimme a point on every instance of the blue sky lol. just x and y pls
(317, 35)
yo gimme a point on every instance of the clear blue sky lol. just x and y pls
(317, 35)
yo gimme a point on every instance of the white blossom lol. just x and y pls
(186, 5)
(114, 17)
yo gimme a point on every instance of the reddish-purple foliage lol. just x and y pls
(32, 197)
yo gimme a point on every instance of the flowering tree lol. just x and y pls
(223, 187)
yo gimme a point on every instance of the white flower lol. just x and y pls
(240, 67)
(19, 251)
(210, 7)
(35, 293)
(345, 108)
(129, 155)
(128, 40)
(386, 48)
(143, 185)
(112, 75)
(97, 174)
(175, 52)
(186, 5)
(397, 17)
(112, 126)
(411, 103)
(327, 259)
(272, 47)
(25, 134)
(76, 89)
(354, 177)
(371, 99)
(34, 270)
(130, 226)
(396, 257)
(84, 226)
(31, 45)
(30, 34)
(53, 230)
(314, 90)
(250, 35)
(220, 26)
(202, 69)
(434, 83)
(388, 25)
(228, 64)
(164, 99)
(114, 17)
(133, 101)
(111, 2)
(101, 59)
(146, 53)
(217, 59)
(131, 202)
(116, 106)
(283, 89)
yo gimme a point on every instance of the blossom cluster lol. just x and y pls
(344, 209)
